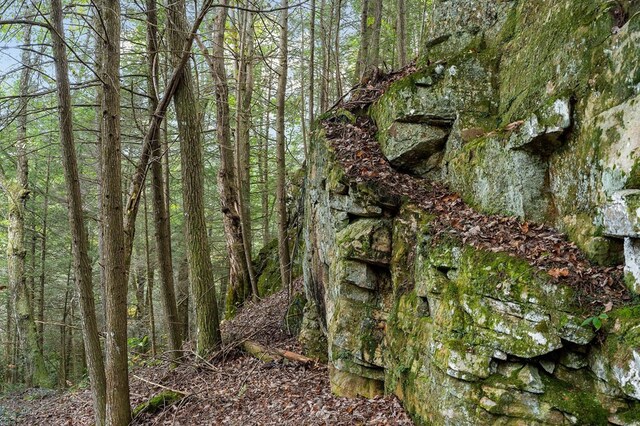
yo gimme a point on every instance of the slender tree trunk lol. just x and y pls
(183, 298)
(266, 227)
(312, 64)
(139, 282)
(374, 53)
(363, 51)
(324, 42)
(43, 257)
(238, 274)
(9, 350)
(336, 52)
(115, 275)
(63, 370)
(243, 124)
(224, 283)
(179, 69)
(98, 63)
(401, 32)
(159, 193)
(303, 115)
(82, 264)
(17, 192)
(283, 243)
(150, 279)
(191, 164)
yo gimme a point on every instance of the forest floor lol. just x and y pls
(231, 388)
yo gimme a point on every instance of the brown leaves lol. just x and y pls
(357, 149)
(238, 391)
(558, 272)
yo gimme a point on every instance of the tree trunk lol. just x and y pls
(183, 298)
(312, 64)
(336, 52)
(243, 124)
(363, 51)
(281, 199)
(191, 164)
(115, 275)
(17, 192)
(401, 32)
(43, 257)
(63, 370)
(82, 264)
(374, 53)
(303, 115)
(325, 40)
(137, 181)
(238, 274)
(98, 63)
(224, 283)
(150, 279)
(159, 194)
(265, 175)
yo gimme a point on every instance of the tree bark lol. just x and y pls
(264, 169)
(17, 191)
(63, 370)
(238, 273)
(159, 194)
(324, 49)
(183, 298)
(374, 54)
(82, 264)
(312, 64)
(150, 279)
(115, 274)
(43, 256)
(336, 47)
(363, 51)
(153, 130)
(281, 199)
(401, 32)
(192, 167)
(243, 124)
(266, 354)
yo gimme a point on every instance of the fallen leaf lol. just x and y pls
(558, 272)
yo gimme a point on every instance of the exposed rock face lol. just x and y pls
(527, 109)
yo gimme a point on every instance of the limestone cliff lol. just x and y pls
(526, 109)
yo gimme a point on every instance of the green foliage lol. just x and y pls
(596, 321)
(139, 345)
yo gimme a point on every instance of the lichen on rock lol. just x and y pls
(525, 109)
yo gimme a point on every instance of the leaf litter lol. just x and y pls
(356, 148)
(227, 388)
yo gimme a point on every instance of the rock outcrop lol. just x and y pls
(523, 108)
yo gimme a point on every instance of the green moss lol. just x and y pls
(340, 115)
(633, 179)
(294, 315)
(632, 415)
(630, 280)
(581, 403)
(158, 402)
(626, 313)
(268, 269)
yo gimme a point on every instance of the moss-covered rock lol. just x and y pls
(524, 108)
(158, 402)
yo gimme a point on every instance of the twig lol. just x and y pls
(184, 393)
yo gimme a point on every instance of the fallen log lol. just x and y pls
(266, 354)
